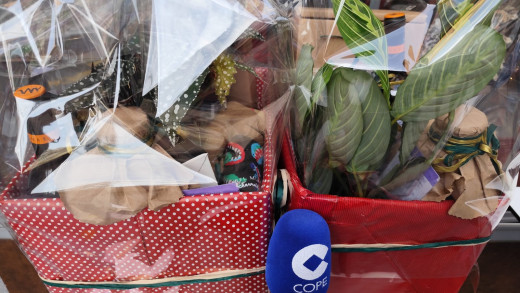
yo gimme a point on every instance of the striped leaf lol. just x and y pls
(407, 174)
(376, 124)
(344, 114)
(450, 11)
(321, 180)
(302, 91)
(432, 90)
(412, 133)
(319, 83)
(365, 36)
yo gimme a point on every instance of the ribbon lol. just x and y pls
(460, 150)
(156, 283)
(396, 247)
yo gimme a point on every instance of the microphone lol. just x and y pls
(298, 257)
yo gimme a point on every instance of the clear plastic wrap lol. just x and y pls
(404, 130)
(133, 132)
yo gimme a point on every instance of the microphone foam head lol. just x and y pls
(298, 257)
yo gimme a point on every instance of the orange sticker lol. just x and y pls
(394, 15)
(40, 138)
(29, 92)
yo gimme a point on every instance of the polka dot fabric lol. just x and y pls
(203, 234)
(197, 235)
(62, 248)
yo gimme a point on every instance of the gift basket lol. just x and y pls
(404, 135)
(140, 138)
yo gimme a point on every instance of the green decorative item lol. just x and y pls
(171, 119)
(251, 33)
(85, 100)
(224, 69)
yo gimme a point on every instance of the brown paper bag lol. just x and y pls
(235, 120)
(468, 184)
(102, 203)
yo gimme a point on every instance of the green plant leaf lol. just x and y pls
(319, 83)
(450, 11)
(376, 124)
(408, 174)
(431, 90)
(344, 114)
(302, 91)
(315, 153)
(365, 35)
(411, 134)
(321, 180)
(318, 175)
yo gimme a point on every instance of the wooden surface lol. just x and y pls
(15, 270)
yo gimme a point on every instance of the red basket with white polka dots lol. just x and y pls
(204, 243)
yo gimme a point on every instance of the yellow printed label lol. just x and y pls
(29, 92)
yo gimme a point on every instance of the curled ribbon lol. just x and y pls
(460, 150)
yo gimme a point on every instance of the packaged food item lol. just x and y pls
(467, 163)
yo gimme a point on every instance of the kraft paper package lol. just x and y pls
(132, 132)
(404, 135)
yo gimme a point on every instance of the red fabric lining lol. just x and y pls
(371, 221)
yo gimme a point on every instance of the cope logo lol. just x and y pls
(308, 264)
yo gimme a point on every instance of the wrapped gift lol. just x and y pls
(195, 238)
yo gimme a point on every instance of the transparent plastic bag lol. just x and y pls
(403, 131)
(105, 112)
(368, 81)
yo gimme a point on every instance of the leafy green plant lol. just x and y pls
(358, 120)
(302, 91)
(344, 116)
(364, 34)
(436, 88)
(450, 12)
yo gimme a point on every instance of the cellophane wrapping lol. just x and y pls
(404, 135)
(139, 140)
